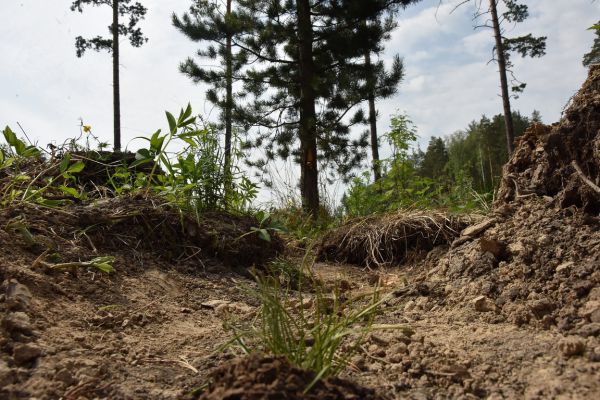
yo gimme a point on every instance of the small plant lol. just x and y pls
(319, 332)
(194, 177)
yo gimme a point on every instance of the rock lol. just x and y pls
(595, 316)
(564, 267)
(17, 322)
(588, 330)
(483, 304)
(26, 353)
(18, 296)
(7, 377)
(541, 307)
(476, 229)
(213, 304)
(589, 308)
(571, 346)
(516, 248)
(65, 376)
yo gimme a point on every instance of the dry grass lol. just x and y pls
(389, 239)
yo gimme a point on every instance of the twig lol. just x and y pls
(585, 178)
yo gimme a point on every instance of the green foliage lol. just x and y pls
(459, 173)
(30, 179)
(593, 56)
(193, 177)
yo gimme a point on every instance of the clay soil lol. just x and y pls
(509, 308)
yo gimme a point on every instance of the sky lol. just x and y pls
(448, 82)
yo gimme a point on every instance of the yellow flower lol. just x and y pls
(87, 128)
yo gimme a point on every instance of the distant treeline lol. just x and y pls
(459, 172)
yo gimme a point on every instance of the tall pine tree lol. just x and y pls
(120, 8)
(526, 45)
(215, 26)
(310, 79)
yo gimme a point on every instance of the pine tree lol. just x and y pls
(310, 54)
(136, 12)
(593, 57)
(524, 45)
(216, 27)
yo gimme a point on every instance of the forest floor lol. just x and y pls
(524, 324)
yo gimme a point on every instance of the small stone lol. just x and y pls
(516, 248)
(185, 310)
(589, 308)
(595, 316)
(564, 267)
(541, 307)
(17, 322)
(213, 304)
(571, 346)
(25, 353)
(589, 330)
(65, 376)
(483, 304)
(474, 230)
(18, 296)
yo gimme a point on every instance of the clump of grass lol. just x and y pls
(319, 331)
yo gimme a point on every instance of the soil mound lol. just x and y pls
(258, 377)
(141, 224)
(561, 161)
(391, 238)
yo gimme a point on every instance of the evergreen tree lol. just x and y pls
(215, 26)
(526, 45)
(310, 54)
(435, 159)
(120, 8)
(593, 57)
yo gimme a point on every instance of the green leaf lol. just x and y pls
(64, 164)
(156, 142)
(172, 122)
(77, 167)
(594, 27)
(106, 268)
(187, 112)
(69, 191)
(14, 141)
(186, 122)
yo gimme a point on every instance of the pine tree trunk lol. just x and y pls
(228, 104)
(373, 121)
(309, 185)
(116, 86)
(508, 121)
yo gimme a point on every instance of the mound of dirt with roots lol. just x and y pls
(391, 239)
(139, 223)
(561, 161)
(258, 377)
